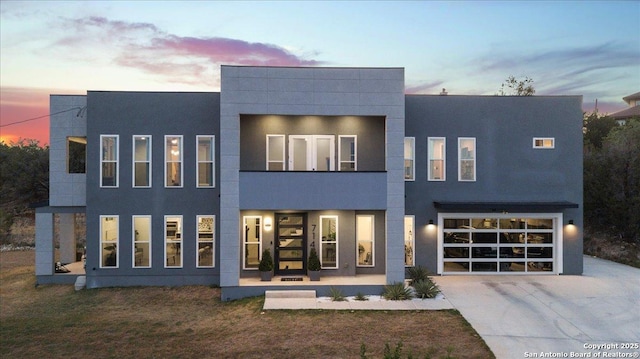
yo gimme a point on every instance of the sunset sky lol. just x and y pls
(588, 48)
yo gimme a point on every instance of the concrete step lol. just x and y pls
(289, 294)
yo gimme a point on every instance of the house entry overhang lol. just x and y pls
(521, 206)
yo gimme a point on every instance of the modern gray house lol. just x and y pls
(191, 188)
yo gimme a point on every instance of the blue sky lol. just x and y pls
(588, 48)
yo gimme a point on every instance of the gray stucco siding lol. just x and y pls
(156, 114)
(508, 168)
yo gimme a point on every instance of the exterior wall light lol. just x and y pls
(267, 224)
(571, 221)
(431, 221)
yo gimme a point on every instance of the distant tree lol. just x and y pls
(612, 183)
(24, 179)
(513, 87)
(596, 128)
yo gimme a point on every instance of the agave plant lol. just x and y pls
(397, 291)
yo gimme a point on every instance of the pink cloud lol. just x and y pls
(178, 59)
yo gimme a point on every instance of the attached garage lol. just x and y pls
(490, 243)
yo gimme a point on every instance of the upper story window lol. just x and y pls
(466, 159)
(275, 152)
(141, 161)
(347, 153)
(437, 158)
(409, 158)
(173, 161)
(205, 167)
(544, 142)
(312, 153)
(109, 160)
(76, 154)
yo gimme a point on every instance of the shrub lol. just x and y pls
(336, 295)
(314, 261)
(426, 289)
(360, 297)
(266, 263)
(396, 291)
(418, 273)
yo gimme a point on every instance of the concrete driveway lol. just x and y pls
(553, 316)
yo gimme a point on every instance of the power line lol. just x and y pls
(51, 114)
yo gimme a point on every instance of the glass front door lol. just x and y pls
(291, 244)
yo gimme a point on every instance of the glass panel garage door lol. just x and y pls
(494, 244)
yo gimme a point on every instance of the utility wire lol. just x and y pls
(39, 117)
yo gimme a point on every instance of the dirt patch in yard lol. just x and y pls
(192, 322)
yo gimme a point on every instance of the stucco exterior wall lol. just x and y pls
(508, 168)
(319, 92)
(156, 114)
(66, 189)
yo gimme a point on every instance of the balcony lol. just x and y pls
(263, 190)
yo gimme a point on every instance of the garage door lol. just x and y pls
(507, 243)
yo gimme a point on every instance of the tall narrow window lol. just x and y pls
(76, 154)
(109, 160)
(206, 245)
(141, 241)
(275, 152)
(173, 241)
(173, 161)
(409, 158)
(252, 243)
(329, 242)
(437, 169)
(409, 241)
(141, 161)
(206, 165)
(347, 153)
(466, 159)
(109, 241)
(365, 237)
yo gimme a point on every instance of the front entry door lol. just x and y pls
(291, 244)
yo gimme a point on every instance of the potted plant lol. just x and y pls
(266, 266)
(313, 266)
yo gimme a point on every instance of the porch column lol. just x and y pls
(67, 237)
(44, 244)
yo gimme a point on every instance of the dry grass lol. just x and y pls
(191, 322)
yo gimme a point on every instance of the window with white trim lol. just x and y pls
(206, 226)
(205, 170)
(347, 153)
(173, 161)
(173, 241)
(409, 241)
(544, 143)
(141, 161)
(409, 158)
(365, 239)
(252, 244)
(437, 158)
(109, 234)
(109, 160)
(141, 241)
(329, 242)
(466, 159)
(275, 152)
